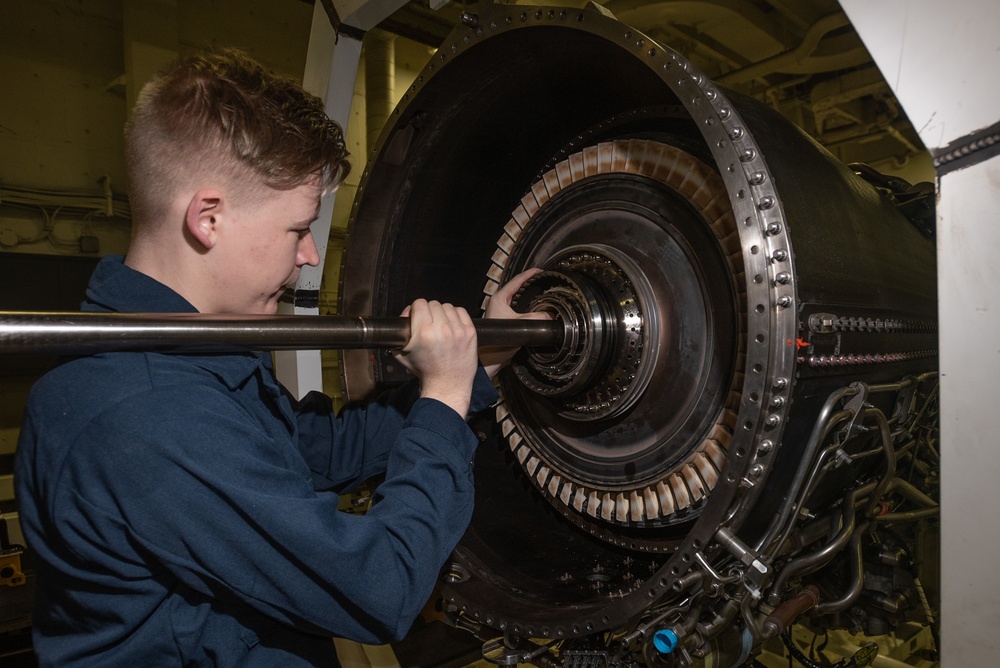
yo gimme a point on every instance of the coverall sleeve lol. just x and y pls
(210, 498)
(343, 450)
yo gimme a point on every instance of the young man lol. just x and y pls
(182, 507)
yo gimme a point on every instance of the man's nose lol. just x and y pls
(308, 253)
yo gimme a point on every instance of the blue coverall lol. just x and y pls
(183, 508)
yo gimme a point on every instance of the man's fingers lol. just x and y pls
(506, 293)
(436, 320)
(463, 316)
(419, 313)
(536, 315)
(499, 305)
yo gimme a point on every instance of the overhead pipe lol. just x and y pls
(380, 82)
(805, 48)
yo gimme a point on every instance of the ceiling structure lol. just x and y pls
(801, 57)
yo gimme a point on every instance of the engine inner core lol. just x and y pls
(628, 423)
(603, 364)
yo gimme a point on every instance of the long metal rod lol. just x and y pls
(75, 333)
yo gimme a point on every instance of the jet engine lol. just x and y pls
(739, 429)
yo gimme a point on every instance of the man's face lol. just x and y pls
(265, 247)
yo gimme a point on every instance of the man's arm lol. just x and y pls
(209, 498)
(347, 449)
(371, 429)
(441, 352)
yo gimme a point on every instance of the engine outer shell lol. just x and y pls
(498, 105)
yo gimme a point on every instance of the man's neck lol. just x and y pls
(168, 267)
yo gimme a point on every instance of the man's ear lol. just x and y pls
(202, 217)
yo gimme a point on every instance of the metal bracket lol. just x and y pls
(971, 149)
(856, 405)
(904, 401)
(757, 571)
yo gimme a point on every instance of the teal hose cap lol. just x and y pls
(665, 641)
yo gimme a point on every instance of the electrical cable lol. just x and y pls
(795, 652)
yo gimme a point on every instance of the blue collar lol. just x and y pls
(116, 287)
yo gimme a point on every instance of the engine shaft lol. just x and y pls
(76, 333)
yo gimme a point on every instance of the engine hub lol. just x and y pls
(603, 365)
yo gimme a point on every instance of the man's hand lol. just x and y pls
(441, 352)
(499, 307)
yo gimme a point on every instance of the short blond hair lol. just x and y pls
(223, 116)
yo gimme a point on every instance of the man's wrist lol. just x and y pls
(454, 398)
